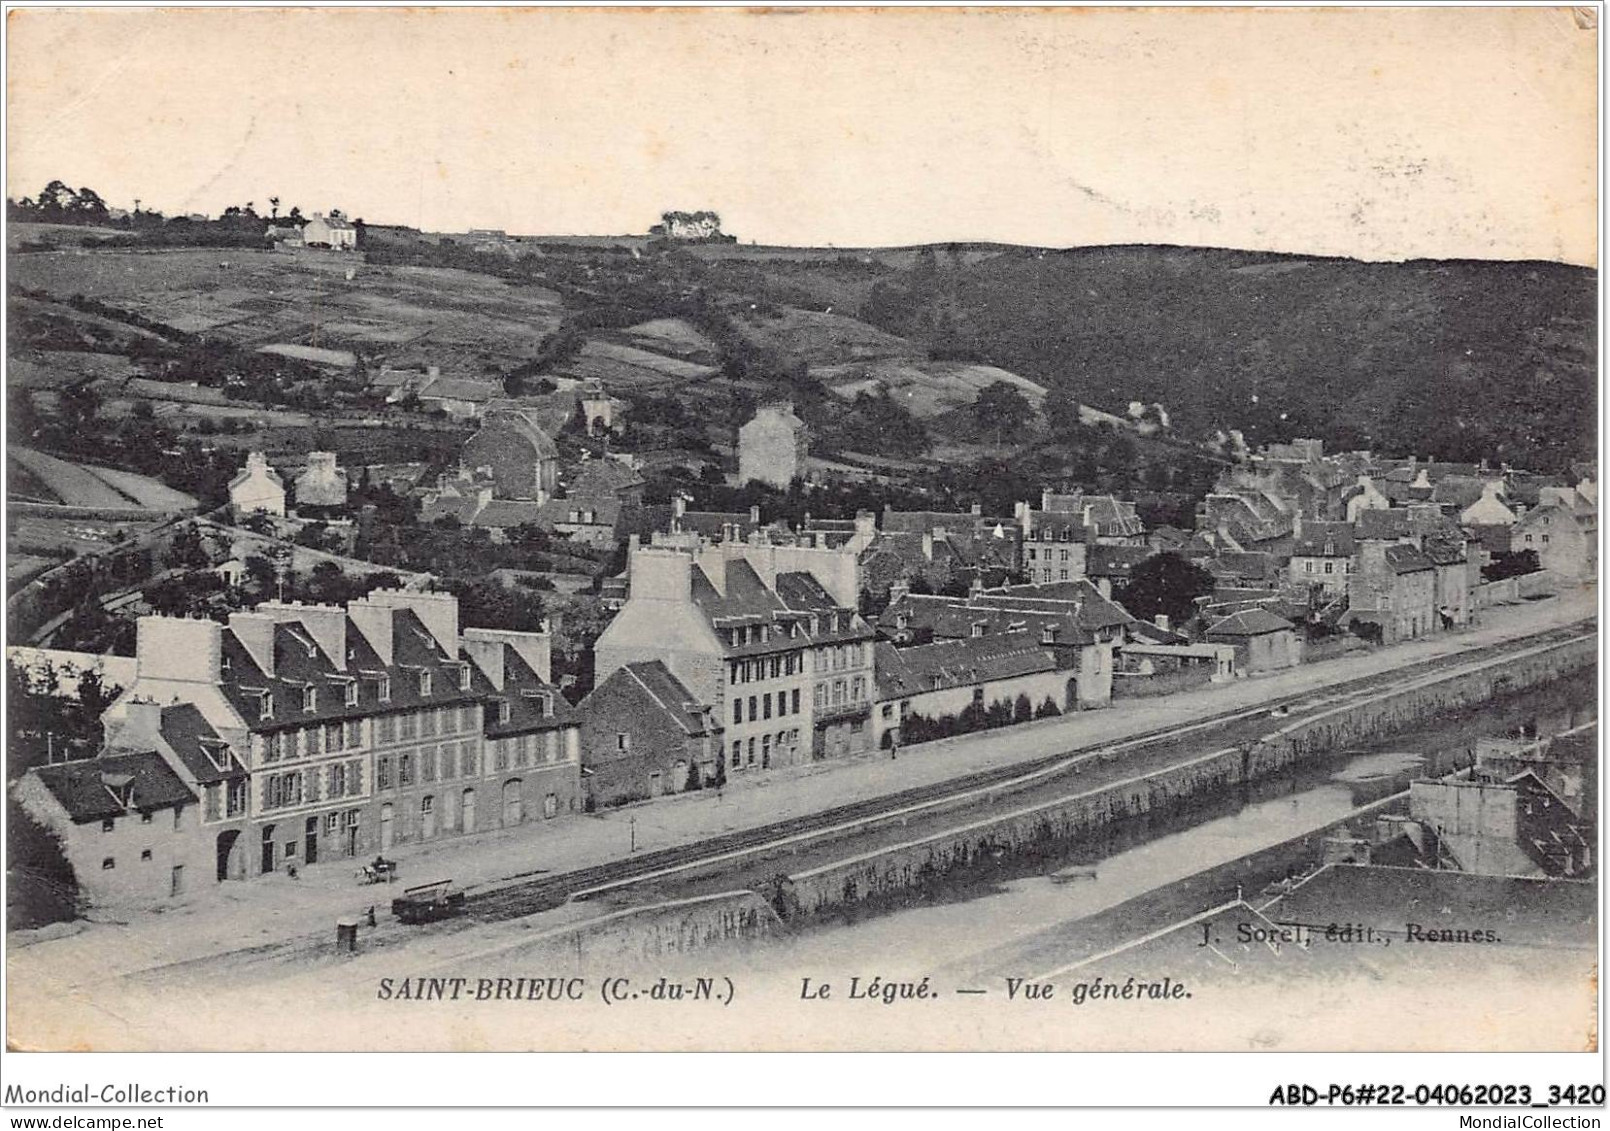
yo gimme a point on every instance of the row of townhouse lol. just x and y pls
(297, 734)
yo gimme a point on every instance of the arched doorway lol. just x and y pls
(427, 817)
(1073, 695)
(387, 832)
(228, 866)
(310, 837)
(268, 849)
(513, 806)
(467, 810)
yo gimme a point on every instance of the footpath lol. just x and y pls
(241, 916)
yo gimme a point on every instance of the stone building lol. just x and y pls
(767, 636)
(644, 734)
(773, 447)
(1393, 586)
(322, 483)
(514, 453)
(1071, 619)
(1262, 641)
(257, 488)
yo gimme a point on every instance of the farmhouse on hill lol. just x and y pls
(257, 488)
(332, 231)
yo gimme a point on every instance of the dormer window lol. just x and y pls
(265, 705)
(352, 693)
(310, 699)
(463, 677)
(217, 753)
(385, 688)
(223, 663)
(504, 710)
(544, 700)
(978, 628)
(424, 684)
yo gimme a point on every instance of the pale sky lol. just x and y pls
(1376, 133)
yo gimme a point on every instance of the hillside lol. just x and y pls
(1461, 359)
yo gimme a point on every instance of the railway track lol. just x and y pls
(518, 896)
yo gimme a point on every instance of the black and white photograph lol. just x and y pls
(818, 529)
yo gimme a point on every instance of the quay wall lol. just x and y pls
(655, 931)
(904, 867)
(645, 934)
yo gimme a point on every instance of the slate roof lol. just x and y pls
(246, 473)
(1115, 562)
(903, 672)
(1444, 548)
(1406, 559)
(1324, 540)
(1384, 524)
(1232, 564)
(526, 710)
(523, 422)
(606, 511)
(1076, 609)
(602, 477)
(787, 610)
(1458, 491)
(1249, 622)
(1051, 526)
(504, 513)
(85, 789)
(667, 693)
(460, 389)
(189, 734)
(924, 522)
(413, 648)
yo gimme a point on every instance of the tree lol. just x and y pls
(1002, 408)
(43, 887)
(1511, 565)
(488, 604)
(1165, 583)
(1048, 709)
(185, 551)
(1023, 709)
(274, 208)
(260, 574)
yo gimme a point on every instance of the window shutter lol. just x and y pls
(310, 786)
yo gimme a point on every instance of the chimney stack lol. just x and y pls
(142, 724)
(535, 648)
(437, 611)
(375, 622)
(178, 649)
(661, 575)
(326, 624)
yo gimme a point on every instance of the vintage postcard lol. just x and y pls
(807, 529)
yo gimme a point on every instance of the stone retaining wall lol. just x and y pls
(917, 863)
